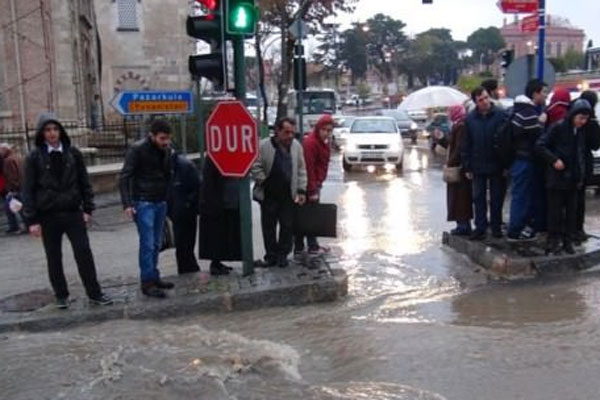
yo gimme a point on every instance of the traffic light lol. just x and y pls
(241, 17)
(507, 58)
(209, 28)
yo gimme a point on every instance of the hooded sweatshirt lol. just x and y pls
(565, 142)
(559, 107)
(55, 182)
(526, 128)
(316, 155)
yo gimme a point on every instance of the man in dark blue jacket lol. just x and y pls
(481, 165)
(183, 207)
(528, 204)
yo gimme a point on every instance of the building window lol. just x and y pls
(127, 12)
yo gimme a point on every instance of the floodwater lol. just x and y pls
(420, 322)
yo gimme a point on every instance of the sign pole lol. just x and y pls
(300, 56)
(245, 199)
(199, 123)
(542, 39)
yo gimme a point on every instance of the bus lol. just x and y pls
(316, 103)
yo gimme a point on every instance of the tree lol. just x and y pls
(353, 53)
(485, 43)
(385, 39)
(280, 14)
(328, 51)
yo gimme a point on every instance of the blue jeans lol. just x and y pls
(12, 218)
(528, 197)
(150, 221)
(480, 201)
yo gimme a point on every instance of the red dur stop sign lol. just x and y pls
(232, 138)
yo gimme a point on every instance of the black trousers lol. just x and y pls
(580, 219)
(70, 223)
(275, 212)
(562, 213)
(185, 226)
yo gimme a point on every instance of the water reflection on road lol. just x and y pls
(419, 323)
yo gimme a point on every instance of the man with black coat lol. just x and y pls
(481, 164)
(58, 199)
(183, 207)
(144, 184)
(563, 149)
(591, 133)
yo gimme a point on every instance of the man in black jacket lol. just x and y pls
(481, 164)
(144, 184)
(591, 132)
(563, 149)
(528, 203)
(58, 199)
(183, 208)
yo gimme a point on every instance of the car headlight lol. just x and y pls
(413, 126)
(351, 147)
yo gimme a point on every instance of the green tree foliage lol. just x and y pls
(485, 44)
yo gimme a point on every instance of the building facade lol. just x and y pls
(49, 60)
(560, 38)
(144, 46)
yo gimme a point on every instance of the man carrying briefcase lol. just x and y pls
(317, 152)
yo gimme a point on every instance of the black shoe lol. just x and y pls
(497, 234)
(102, 300)
(264, 263)
(12, 231)
(153, 291)
(283, 262)
(62, 303)
(477, 236)
(217, 268)
(568, 248)
(552, 248)
(581, 237)
(164, 284)
(460, 232)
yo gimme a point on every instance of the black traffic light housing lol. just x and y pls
(210, 29)
(507, 58)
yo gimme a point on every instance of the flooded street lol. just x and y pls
(420, 322)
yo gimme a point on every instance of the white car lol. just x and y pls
(341, 130)
(373, 141)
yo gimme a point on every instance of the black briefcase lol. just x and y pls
(316, 219)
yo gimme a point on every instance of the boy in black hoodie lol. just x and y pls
(57, 200)
(563, 148)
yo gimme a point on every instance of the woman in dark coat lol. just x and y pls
(220, 235)
(459, 195)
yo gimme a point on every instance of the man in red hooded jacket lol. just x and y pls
(317, 152)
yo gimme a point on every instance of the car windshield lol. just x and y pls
(319, 103)
(347, 122)
(373, 126)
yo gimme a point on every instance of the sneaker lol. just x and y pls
(520, 237)
(62, 303)
(153, 291)
(164, 284)
(102, 300)
(477, 236)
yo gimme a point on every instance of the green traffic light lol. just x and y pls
(241, 19)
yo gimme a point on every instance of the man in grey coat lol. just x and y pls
(280, 183)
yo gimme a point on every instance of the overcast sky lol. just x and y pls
(465, 16)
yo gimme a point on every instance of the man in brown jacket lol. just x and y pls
(13, 174)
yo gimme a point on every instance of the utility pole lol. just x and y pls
(542, 39)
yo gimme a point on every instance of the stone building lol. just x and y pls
(49, 60)
(560, 37)
(144, 46)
